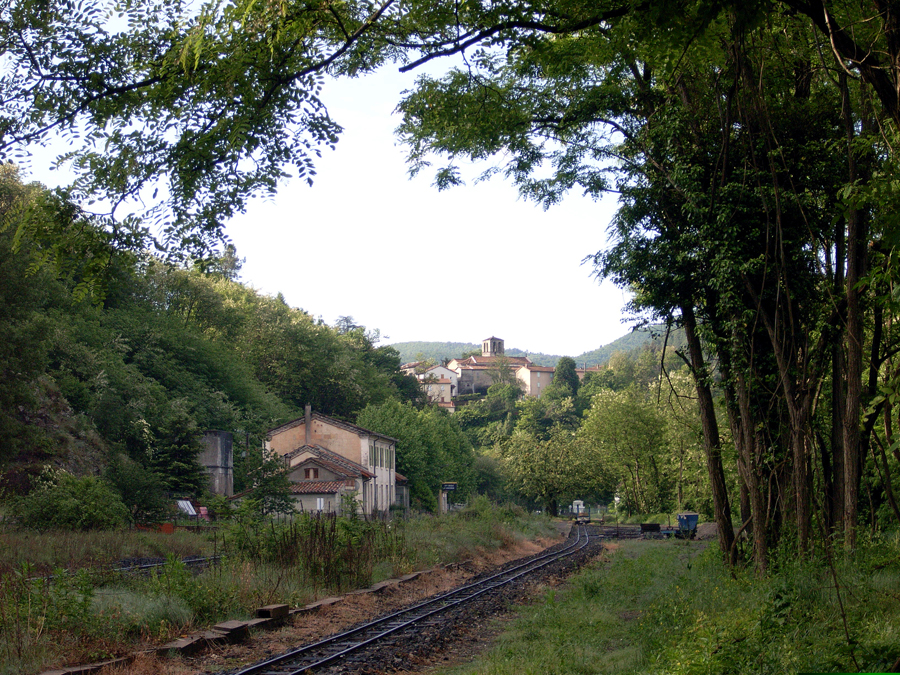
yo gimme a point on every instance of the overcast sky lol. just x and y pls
(417, 264)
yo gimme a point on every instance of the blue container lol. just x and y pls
(687, 521)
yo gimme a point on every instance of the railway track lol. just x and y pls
(142, 566)
(344, 648)
(145, 567)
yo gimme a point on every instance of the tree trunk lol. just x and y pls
(834, 474)
(834, 470)
(856, 266)
(711, 443)
(746, 509)
(754, 468)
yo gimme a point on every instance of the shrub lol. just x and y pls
(61, 501)
(141, 490)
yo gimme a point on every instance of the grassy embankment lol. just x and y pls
(84, 613)
(671, 607)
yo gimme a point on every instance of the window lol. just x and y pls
(311, 474)
(320, 503)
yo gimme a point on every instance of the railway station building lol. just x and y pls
(329, 458)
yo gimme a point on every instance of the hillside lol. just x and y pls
(411, 351)
(169, 352)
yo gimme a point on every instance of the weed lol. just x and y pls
(660, 608)
(88, 614)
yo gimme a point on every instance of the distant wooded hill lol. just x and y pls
(412, 351)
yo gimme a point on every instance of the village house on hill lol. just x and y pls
(438, 382)
(329, 459)
(534, 379)
(474, 373)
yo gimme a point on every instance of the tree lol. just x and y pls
(423, 363)
(718, 123)
(557, 468)
(723, 132)
(142, 491)
(490, 479)
(565, 380)
(502, 371)
(266, 479)
(183, 113)
(345, 324)
(538, 417)
(492, 419)
(628, 432)
(431, 448)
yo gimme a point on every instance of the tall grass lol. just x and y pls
(324, 550)
(47, 551)
(479, 528)
(671, 607)
(95, 614)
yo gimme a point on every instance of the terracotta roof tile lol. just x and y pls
(334, 462)
(309, 487)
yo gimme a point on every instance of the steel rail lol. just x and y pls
(338, 646)
(204, 562)
(187, 562)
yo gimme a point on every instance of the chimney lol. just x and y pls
(308, 415)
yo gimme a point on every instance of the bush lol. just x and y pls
(61, 501)
(141, 490)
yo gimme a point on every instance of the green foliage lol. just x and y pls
(431, 448)
(557, 468)
(565, 382)
(71, 550)
(672, 608)
(205, 600)
(628, 432)
(141, 490)
(432, 351)
(481, 526)
(60, 501)
(754, 191)
(54, 236)
(633, 341)
(73, 615)
(491, 419)
(267, 482)
(490, 479)
(30, 608)
(538, 417)
(171, 352)
(328, 551)
(133, 101)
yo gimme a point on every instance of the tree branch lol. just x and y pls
(511, 25)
